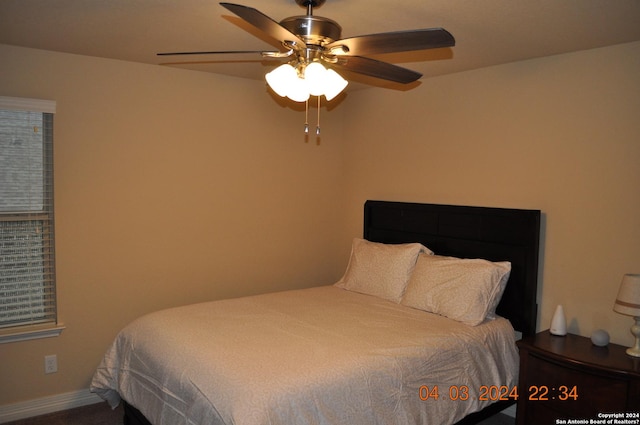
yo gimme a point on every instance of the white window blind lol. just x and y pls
(27, 250)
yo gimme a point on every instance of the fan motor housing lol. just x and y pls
(313, 29)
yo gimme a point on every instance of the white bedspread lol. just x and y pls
(314, 356)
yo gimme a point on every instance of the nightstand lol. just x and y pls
(567, 377)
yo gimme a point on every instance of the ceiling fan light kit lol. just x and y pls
(315, 50)
(303, 81)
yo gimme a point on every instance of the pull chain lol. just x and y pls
(306, 117)
(318, 125)
(306, 121)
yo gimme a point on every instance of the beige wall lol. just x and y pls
(560, 134)
(176, 186)
(172, 187)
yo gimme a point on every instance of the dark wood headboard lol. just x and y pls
(495, 234)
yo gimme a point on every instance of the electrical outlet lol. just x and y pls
(51, 364)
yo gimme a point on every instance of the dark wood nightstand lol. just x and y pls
(567, 377)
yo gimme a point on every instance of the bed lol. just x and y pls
(387, 344)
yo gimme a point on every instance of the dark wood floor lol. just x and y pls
(94, 414)
(101, 414)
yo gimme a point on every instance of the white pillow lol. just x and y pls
(466, 290)
(382, 270)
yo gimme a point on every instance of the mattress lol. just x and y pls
(322, 355)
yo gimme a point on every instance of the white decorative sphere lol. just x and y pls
(600, 337)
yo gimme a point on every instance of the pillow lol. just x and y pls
(382, 270)
(466, 290)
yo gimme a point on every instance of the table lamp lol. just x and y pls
(628, 302)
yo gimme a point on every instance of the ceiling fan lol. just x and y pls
(314, 50)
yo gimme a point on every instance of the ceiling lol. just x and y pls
(487, 32)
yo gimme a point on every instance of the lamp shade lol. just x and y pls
(628, 299)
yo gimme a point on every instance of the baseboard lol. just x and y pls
(56, 403)
(42, 406)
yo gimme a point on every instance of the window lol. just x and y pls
(27, 250)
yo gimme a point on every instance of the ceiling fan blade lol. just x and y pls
(377, 69)
(263, 23)
(391, 42)
(219, 52)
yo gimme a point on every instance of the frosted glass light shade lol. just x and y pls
(316, 81)
(334, 84)
(279, 79)
(314, 75)
(298, 90)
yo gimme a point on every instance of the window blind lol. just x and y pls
(27, 248)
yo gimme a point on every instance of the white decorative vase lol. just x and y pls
(558, 323)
